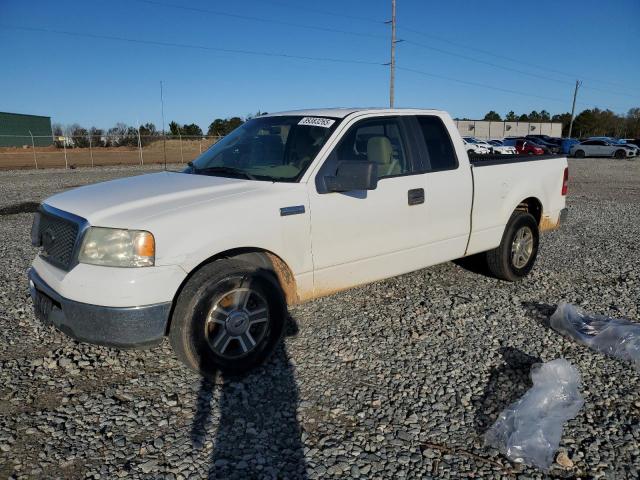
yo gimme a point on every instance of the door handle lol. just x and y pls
(416, 196)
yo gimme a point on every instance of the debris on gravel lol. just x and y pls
(400, 378)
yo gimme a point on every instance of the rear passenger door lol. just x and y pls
(448, 187)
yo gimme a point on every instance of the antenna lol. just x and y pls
(164, 136)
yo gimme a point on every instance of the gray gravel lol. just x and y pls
(396, 379)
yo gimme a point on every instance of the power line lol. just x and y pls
(516, 70)
(491, 87)
(484, 62)
(477, 84)
(269, 54)
(504, 57)
(371, 35)
(325, 12)
(259, 19)
(191, 46)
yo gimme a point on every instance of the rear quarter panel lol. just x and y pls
(500, 188)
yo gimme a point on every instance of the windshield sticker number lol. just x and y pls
(317, 122)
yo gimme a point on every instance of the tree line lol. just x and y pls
(588, 123)
(123, 135)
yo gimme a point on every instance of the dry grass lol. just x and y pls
(52, 157)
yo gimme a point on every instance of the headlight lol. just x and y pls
(114, 247)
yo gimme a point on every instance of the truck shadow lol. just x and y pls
(258, 435)
(475, 264)
(507, 382)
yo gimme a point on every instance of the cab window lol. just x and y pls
(381, 141)
(439, 151)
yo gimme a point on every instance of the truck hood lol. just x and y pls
(128, 202)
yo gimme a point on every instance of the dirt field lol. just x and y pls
(54, 157)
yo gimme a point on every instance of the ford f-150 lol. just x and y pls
(286, 208)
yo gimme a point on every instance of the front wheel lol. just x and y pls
(515, 256)
(579, 154)
(229, 317)
(620, 154)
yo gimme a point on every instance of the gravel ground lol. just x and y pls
(395, 379)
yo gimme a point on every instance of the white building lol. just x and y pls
(485, 129)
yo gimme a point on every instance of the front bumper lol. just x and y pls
(123, 327)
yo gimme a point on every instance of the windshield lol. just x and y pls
(278, 148)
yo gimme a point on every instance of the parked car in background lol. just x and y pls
(601, 148)
(618, 141)
(477, 141)
(629, 142)
(551, 146)
(524, 146)
(566, 143)
(475, 149)
(632, 141)
(533, 141)
(546, 138)
(501, 149)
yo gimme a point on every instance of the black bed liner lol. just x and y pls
(488, 160)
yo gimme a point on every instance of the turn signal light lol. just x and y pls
(565, 181)
(144, 245)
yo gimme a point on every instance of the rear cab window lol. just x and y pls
(437, 153)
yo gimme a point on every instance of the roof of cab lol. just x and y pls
(343, 112)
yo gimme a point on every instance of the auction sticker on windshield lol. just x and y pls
(317, 122)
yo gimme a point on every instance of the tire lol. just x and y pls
(512, 262)
(470, 152)
(579, 154)
(223, 307)
(620, 154)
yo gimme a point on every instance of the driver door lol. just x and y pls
(363, 236)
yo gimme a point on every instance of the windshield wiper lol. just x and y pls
(229, 170)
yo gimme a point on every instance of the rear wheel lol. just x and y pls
(229, 317)
(579, 154)
(620, 154)
(515, 256)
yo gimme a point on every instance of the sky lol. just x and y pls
(100, 62)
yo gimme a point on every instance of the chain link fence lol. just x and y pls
(26, 151)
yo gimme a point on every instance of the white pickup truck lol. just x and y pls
(288, 207)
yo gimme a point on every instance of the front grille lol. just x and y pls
(58, 236)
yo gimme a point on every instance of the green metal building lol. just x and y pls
(15, 128)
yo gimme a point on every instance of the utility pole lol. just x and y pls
(573, 107)
(164, 135)
(33, 147)
(392, 64)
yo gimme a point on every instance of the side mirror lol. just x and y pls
(354, 175)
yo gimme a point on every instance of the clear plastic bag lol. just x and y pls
(613, 336)
(529, 430)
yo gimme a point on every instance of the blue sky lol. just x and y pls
(536, 49)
